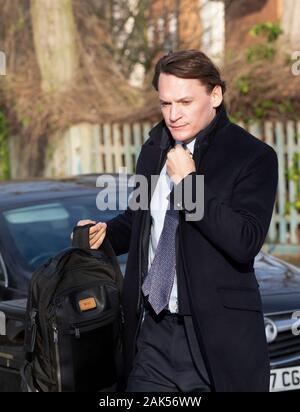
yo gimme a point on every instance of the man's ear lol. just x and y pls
(216, 96)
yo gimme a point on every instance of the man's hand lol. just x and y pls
(96, 234)
(179, 163)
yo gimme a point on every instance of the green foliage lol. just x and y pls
(285, 106)
(240, 116)
(243, 84)
(260, 52)
(236, 117)
(26, 121)
(4, 151)
(260, 110)
(288, 59)
(271, 31)
(293, 175)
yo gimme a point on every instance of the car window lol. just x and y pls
(35, 214)
(41, 231)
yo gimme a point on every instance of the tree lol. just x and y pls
(61, 74)
(54, 33)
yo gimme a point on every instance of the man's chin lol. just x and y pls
(182, 138)
(178, 135)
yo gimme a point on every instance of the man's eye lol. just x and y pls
(164, 104)
(186, 102)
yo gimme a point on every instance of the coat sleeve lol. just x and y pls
(241, 228)
(119, 232)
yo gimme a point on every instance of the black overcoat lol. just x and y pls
(215, 255)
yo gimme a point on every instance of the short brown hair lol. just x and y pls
(189, 64)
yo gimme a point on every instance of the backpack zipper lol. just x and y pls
(33, 329)
(58, 371)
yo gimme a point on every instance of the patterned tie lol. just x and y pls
(159, 281)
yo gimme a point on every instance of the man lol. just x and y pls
(193, 315)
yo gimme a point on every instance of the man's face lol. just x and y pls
(186, 106)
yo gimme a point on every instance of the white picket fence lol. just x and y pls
(101, 148)
(87, 148)
(285, 139)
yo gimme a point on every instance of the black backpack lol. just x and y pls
(74, 321)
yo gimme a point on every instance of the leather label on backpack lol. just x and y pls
(87, 304)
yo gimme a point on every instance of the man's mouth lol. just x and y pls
(178, 127)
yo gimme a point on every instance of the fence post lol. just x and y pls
(128, 147)
(269, 139)
(291, 183)
(107, 147)
(281, 181)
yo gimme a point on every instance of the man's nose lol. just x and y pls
(174, 113)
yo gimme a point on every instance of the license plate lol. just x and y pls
(285, 379)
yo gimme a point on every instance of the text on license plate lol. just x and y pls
(285, 379)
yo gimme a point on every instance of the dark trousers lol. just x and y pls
(166, 359)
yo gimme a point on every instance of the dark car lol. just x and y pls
(279, 284)
(36, 221)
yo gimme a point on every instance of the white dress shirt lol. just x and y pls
(158, 206)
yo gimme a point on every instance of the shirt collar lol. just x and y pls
(190, 145)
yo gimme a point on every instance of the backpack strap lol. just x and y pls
(81, 236)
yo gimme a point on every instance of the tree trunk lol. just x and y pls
(54, 33)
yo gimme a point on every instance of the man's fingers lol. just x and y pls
(85, 222)
(98, 243)
(178, 146)
(93, 238)
(97, 228)
(172, 152)
(94, 230)
(188, 152)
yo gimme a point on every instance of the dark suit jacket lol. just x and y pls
(216, 280)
